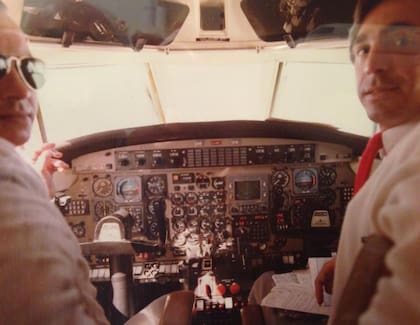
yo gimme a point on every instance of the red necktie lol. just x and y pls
(369, 154)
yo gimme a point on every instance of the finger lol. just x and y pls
(319, 289)
(60, 165)
(319, 294)
(56, 154)
(45, 147)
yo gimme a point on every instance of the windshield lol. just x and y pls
(120, 64)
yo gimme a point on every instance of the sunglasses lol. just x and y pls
(31, 70)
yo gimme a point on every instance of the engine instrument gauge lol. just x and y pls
(102, 186)
(204, 198)
(191, 198)
(177, 198)
(205, 212)
(103, 209)
(178, 212)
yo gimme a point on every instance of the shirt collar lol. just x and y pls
(391, 137)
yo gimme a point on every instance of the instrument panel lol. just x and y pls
(212, 205)
(212, 196)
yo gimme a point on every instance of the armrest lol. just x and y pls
(252, 315)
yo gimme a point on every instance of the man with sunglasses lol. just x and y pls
(44, 278)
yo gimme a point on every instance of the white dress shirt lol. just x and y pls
(388, 204)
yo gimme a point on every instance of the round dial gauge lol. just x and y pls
(128, 190)
(305, 180)
(191, 198)
(102, 186)
(178, 212)
(220, 210)
(156, 184)
(219, 196)
(327, 176)
(78, 229)
(103, 209)
(205, 212)
(280, 178)
(155, 206)
(177, 198)
(329, 196)
(204, 197)
(192, 211)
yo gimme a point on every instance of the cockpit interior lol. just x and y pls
(208, 141)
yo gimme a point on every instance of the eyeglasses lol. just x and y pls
(402, 40)
(31, 70)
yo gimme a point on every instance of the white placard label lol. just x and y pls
(320, 218)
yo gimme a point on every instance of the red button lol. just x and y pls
(234, 288)
(221, 289)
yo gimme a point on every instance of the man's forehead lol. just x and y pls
(15, 32)
(398, 29)
(13, 42)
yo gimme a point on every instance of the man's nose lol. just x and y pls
(377, 60)
(17, 88)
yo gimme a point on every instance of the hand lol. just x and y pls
(324, 280)
(47, 161)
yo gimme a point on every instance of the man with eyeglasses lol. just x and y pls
(44, 278)
(385, 51)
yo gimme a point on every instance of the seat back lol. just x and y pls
(178, 308)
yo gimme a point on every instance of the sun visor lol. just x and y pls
(125, 22)
(296, 21)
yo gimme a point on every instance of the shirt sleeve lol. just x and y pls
(397, 299)
(44, 278)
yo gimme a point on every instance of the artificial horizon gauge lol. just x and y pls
(128, 189)
(305, 180)
(102, 186)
